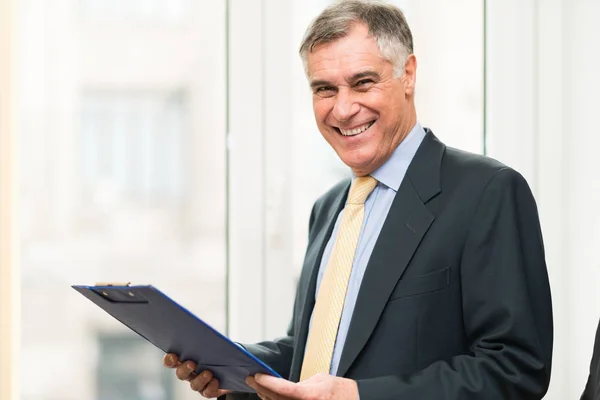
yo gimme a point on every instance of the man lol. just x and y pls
(425, 277)
(592, 389)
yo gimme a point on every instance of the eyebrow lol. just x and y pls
(364, 74)
(353, 78)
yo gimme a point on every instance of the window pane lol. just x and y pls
(122, 178)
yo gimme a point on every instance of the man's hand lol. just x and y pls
(204, 383)
(320, 386)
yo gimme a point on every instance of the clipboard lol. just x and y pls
(167, 325)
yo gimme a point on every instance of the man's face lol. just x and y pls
(361, 108)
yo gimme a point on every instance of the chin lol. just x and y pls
(360, 169)
(358, 163)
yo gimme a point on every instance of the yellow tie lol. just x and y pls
(332, 293)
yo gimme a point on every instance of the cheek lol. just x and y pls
(378, 103)
(321, 109)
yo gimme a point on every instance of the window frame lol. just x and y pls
(9, 277)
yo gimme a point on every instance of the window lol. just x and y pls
(121, 130)
(132, 147)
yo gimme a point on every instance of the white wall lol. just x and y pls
(448, 44)
(581, 85)
(542, 91)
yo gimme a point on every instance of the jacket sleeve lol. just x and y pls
(593, 381)
(506, 306)
(276, 353)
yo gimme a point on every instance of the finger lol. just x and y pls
(223, 392)
(264, 394)
(212, 389)
(185, 371)
(261, 391)
(250, 381)
(277, 385)
(199, 382)
(171, 360)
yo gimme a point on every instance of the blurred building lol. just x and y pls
(121, 123)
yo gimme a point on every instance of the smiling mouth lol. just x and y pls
(355, 131)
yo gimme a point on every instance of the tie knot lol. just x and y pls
(361, 188)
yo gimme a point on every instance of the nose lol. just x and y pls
(345, 106)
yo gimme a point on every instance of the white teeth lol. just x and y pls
(356, 131)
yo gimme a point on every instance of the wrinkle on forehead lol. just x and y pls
(341, 71)
(345, 57)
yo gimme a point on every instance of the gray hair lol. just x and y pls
(386, 24)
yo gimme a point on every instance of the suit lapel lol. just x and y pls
(314, 255)
(407, 222)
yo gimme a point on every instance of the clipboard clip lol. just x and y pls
(113, 283)
(115, 292)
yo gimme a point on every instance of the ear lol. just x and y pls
(410, 75)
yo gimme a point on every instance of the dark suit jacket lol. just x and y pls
(592, 389)
(455, 302)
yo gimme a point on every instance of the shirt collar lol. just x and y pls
(392, 172)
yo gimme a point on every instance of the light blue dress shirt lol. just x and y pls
(377, 205)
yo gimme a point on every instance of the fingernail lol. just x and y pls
(205, 375)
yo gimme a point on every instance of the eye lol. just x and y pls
(325, 91)
(363, 84)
